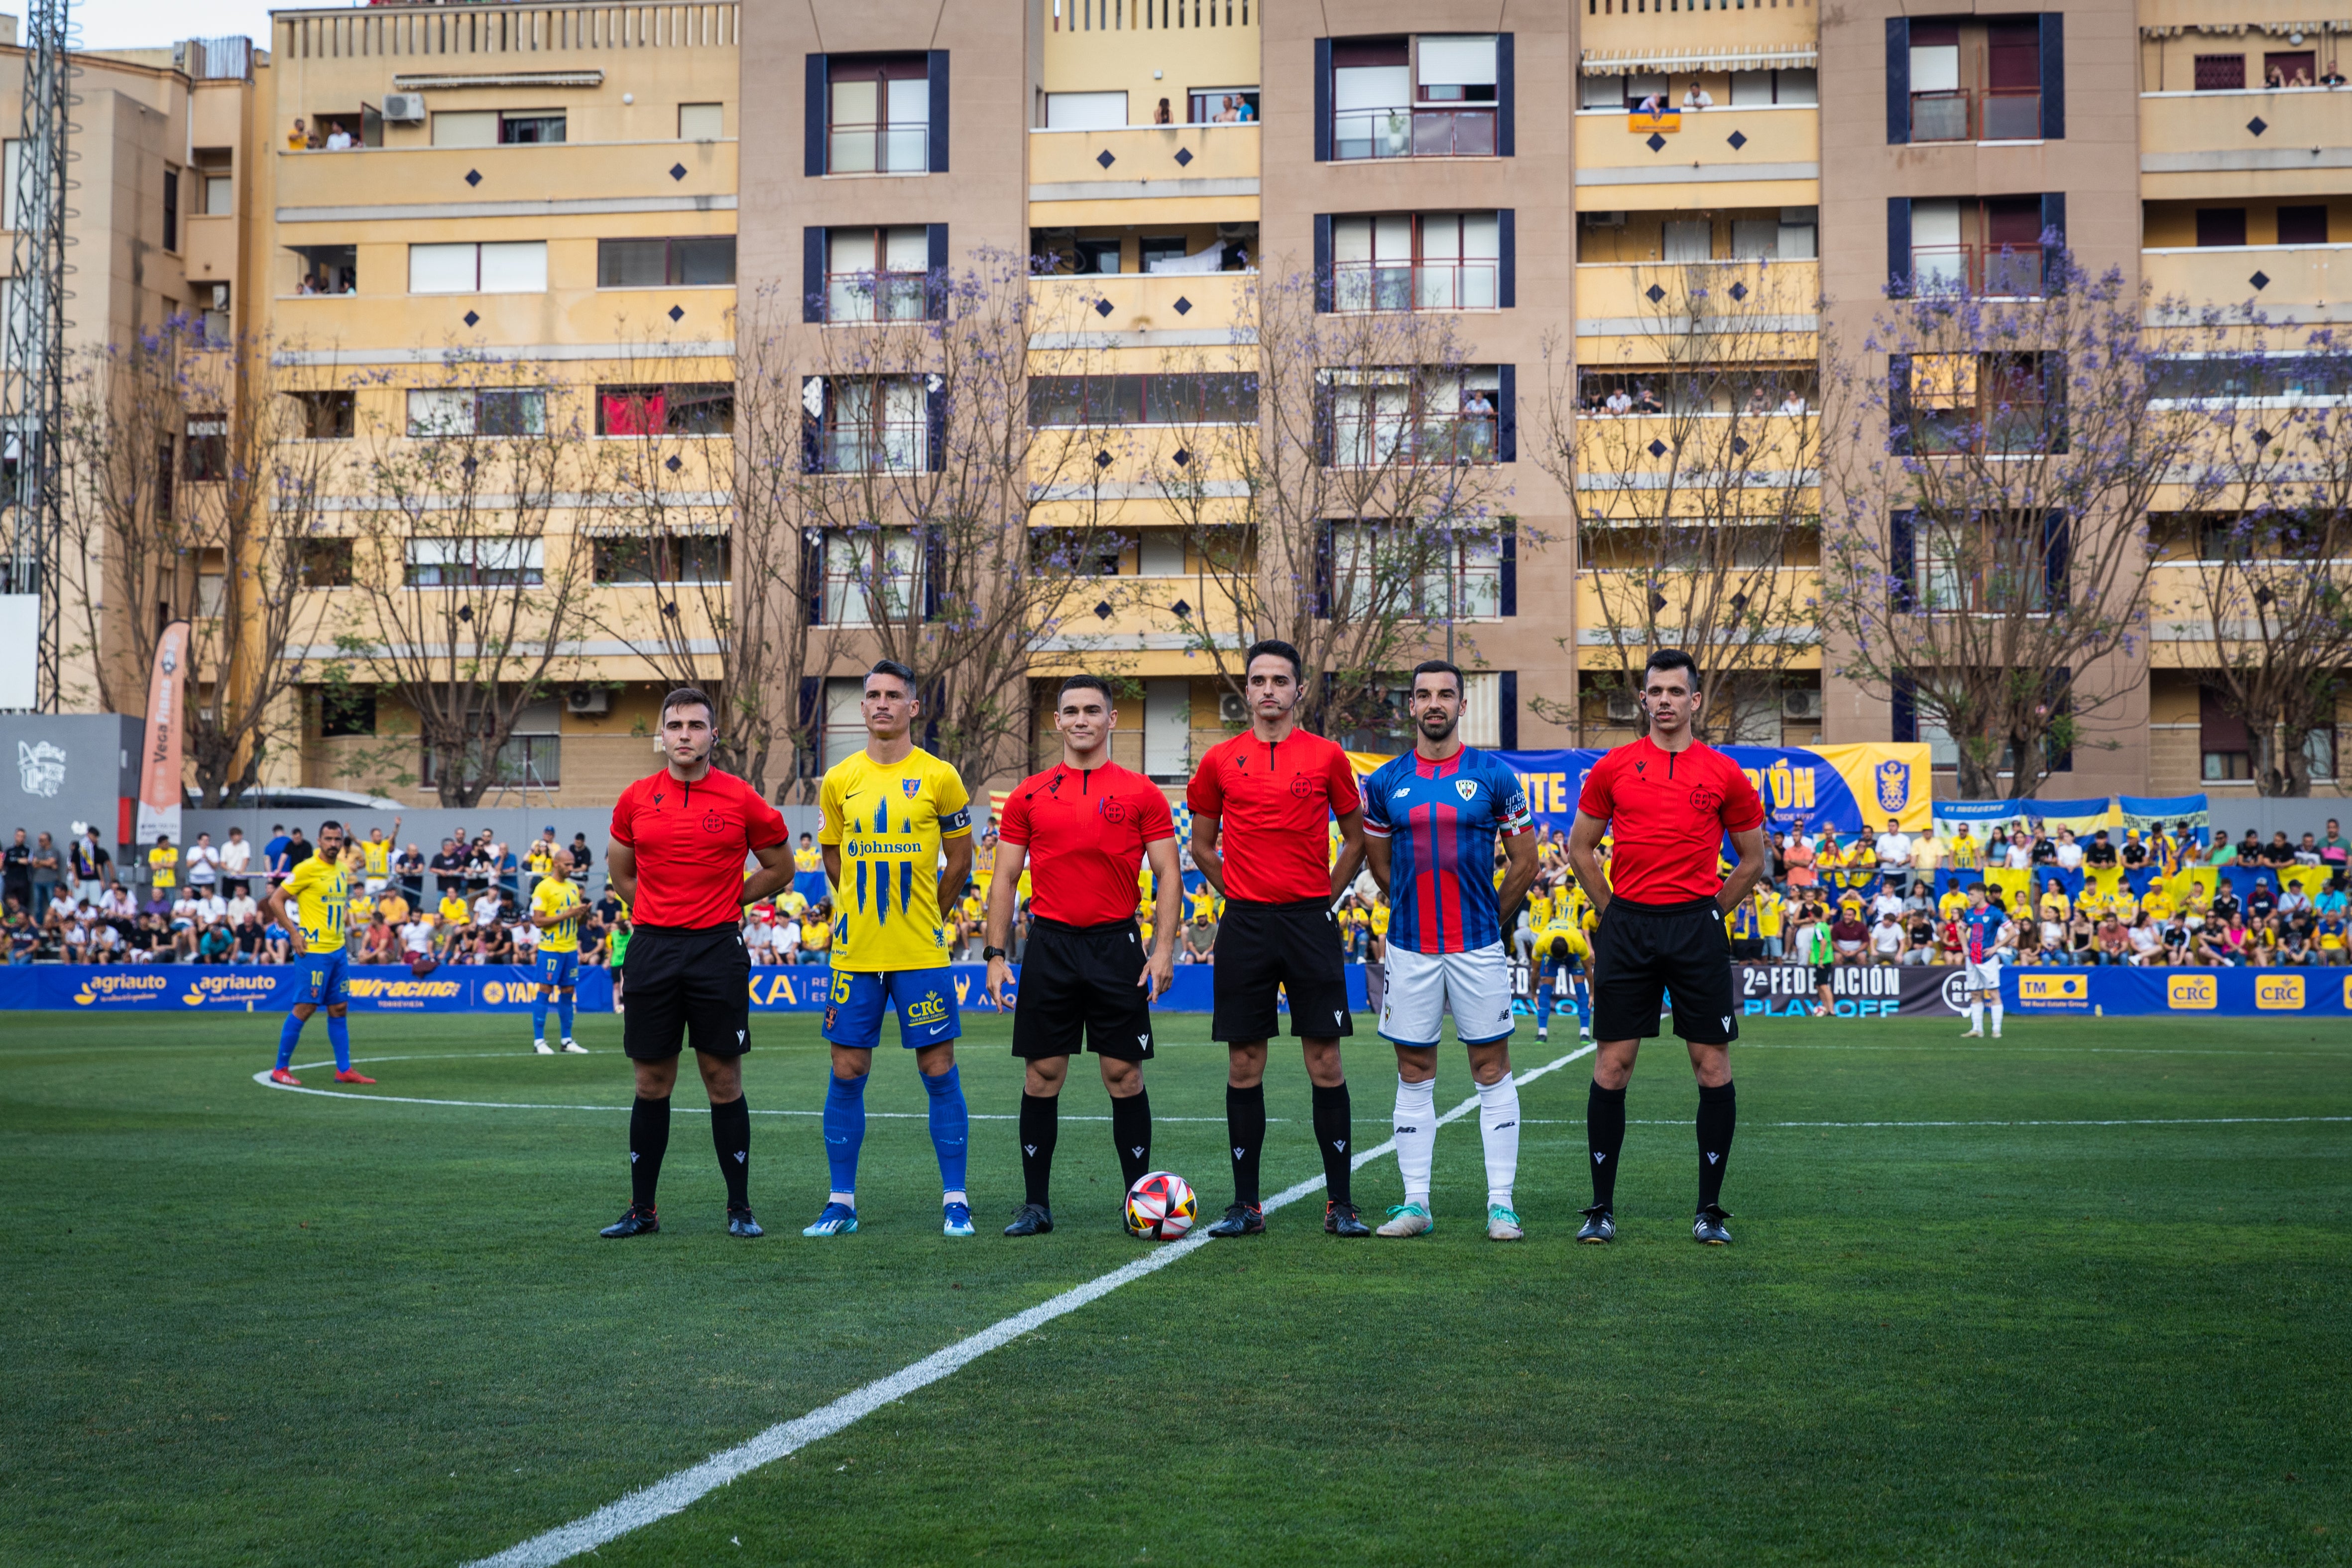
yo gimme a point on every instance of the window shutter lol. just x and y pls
(2056, 545)
(935, 424)
(813, 586)
(813, 154)
(1323, 282)
(1506, 699)
(2061, 704)
(809, 739)
(939, 72)
(1326, 417)
(812, 275)
(1898, 404)
(935, 568)
(1899, 246)
(2054, 402)
(811, 425)
(2053, 221)
(1506, 263)
(1506, 132)
(1903, 558)
(1905, 705)
(1324, 584)
(1898, 81)
(1507, 413)
(1322, 101)
(935, 289)
(1506, 550)
(2053, 75)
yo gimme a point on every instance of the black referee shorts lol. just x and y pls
(1081, 981)
(1265, 951)
(688, 984)
(1642, 949)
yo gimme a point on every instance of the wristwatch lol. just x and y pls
(989, 953)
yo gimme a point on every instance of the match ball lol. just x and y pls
(1161, 1206)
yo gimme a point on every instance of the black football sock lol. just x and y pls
(1336, 1137)
(1041, 1124)
(1604, 1133)
(731, 1134)
(648, 1141)
(1245, 1132)
(1717, 1111)
(1130, 1129)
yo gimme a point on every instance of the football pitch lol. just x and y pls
(2078, 1296)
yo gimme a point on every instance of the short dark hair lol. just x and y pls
(1432, 666)
(330, 822)
(1672, 658)
(687, 697)
(1090, 683)
(894, 670)
(1279, 649)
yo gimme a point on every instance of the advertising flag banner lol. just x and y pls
(2084, 816)
(159, 790)
(2146, 812)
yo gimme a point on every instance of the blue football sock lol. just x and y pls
(287, 1039)
(1583, 1005)
(951, 1126)
(339, 1035)
(844, 1128)
(538, 1016)
(563, 1012)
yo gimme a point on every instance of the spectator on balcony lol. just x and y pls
(1696, 97)
(1794, 403)
(1650, 104)
(1758, 400)
(1227, 114)
(339, 140)
(299, 139)
(2331, 77)
(1159, 116)
(1619, 401)
(1647, 401)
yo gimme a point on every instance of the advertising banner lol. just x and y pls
(1857, 991)
(159, 790)
(2147, 811)
(1845, 788)
(1986, 816)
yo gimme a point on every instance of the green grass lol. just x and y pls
(244, 1326)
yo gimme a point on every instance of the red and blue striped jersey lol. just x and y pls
(1980, 932)
(1440, 821)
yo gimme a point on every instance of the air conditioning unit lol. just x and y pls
(588, 700)
(1624, 707)
(1231, 709)
(405, 107)
(1604, 220)
(1801, 702)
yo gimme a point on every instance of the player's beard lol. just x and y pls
(1440, 736)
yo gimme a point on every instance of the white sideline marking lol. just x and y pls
(2113, 1121)
(674, 1492)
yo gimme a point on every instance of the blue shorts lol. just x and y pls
(558, 969)
(321, 978)
(924, 999)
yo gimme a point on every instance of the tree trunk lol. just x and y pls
(1979, 777)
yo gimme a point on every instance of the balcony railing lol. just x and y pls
(871, 149)
(1380, 286)
(1402, 131)
(1978, 114)
(1989, 272)
(877, 295)
(1439, 440)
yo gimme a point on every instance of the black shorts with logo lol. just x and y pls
(1265, 949)
(1640, 951)
(1080, 981)
(688, 986)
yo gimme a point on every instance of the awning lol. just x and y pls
(641, 527)
(447, 81)
(1626, 62)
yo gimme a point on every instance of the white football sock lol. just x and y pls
(1976, 1017)
(1416, 1136)
(1996, 1016)
(1499, 1124)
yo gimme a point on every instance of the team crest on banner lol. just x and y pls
(1893, 785)
(1466, 788)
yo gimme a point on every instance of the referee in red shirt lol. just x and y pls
(1260, 805)
(676, 861)
(1670, 800)
(1082, 829)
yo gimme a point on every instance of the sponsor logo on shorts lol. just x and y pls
(931, 1010)
(2191, 992)
(2279, 992)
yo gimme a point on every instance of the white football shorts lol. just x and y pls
(1984, 977)
(1475, 987)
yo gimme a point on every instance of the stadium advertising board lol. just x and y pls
(1848, 788)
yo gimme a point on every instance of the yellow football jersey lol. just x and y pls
(377, 855)
(558, 898)
(321, 895)
(888, 822)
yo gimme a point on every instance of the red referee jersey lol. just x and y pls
(1274, 800)
(1085, 829)
(1668, 812)
(690, 841)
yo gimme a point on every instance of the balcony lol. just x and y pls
(2203, 144)
(1988, 114)
(1716, 157)
(1377, 286)
(397, 184)
(2289, 283)
(320, 325)
(1987, 271)
(1212, 304)
(1412, 131)
(1145, 161)
(1777, 298)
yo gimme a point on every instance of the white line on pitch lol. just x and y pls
(674, 1492)
(2108, 1121)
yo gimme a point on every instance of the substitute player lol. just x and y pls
(679, 841)
(1262, 803)
(1430, 820)
(887, 814)
(322, 893)
(1081, 829)
(1985, 929)
(555, 909)
(1670, 800)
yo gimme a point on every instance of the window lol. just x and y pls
(1429, 97)
(1991, 246)
(1403, 415)
(1458, 578)
(346, 711)
(326, 268)
(495, 266)
(211, 587)
(204, 452)
(531, 757)
(1086, 110)
(323, 563)
(688, 261)
(2226, 753)
(12, 155)
(171, 209)
(1755, 89)
(1991, 566)
(501, 561)
(1415, 261)
(1171, 399)
(701, 121)
(1222, 106)
(497, 127)
(2222, 226)
(2221, 73)
(2290, 67)
(2232, 376)
(477, 410)
(220, 195)
(2303, 225)
(872, 425)
(687, 408)
(844, 721)
(878, 118)
(1997, 402)
(1990, 90)
(663, 557)
(325, 416)
(870, 575)
(878, 274)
